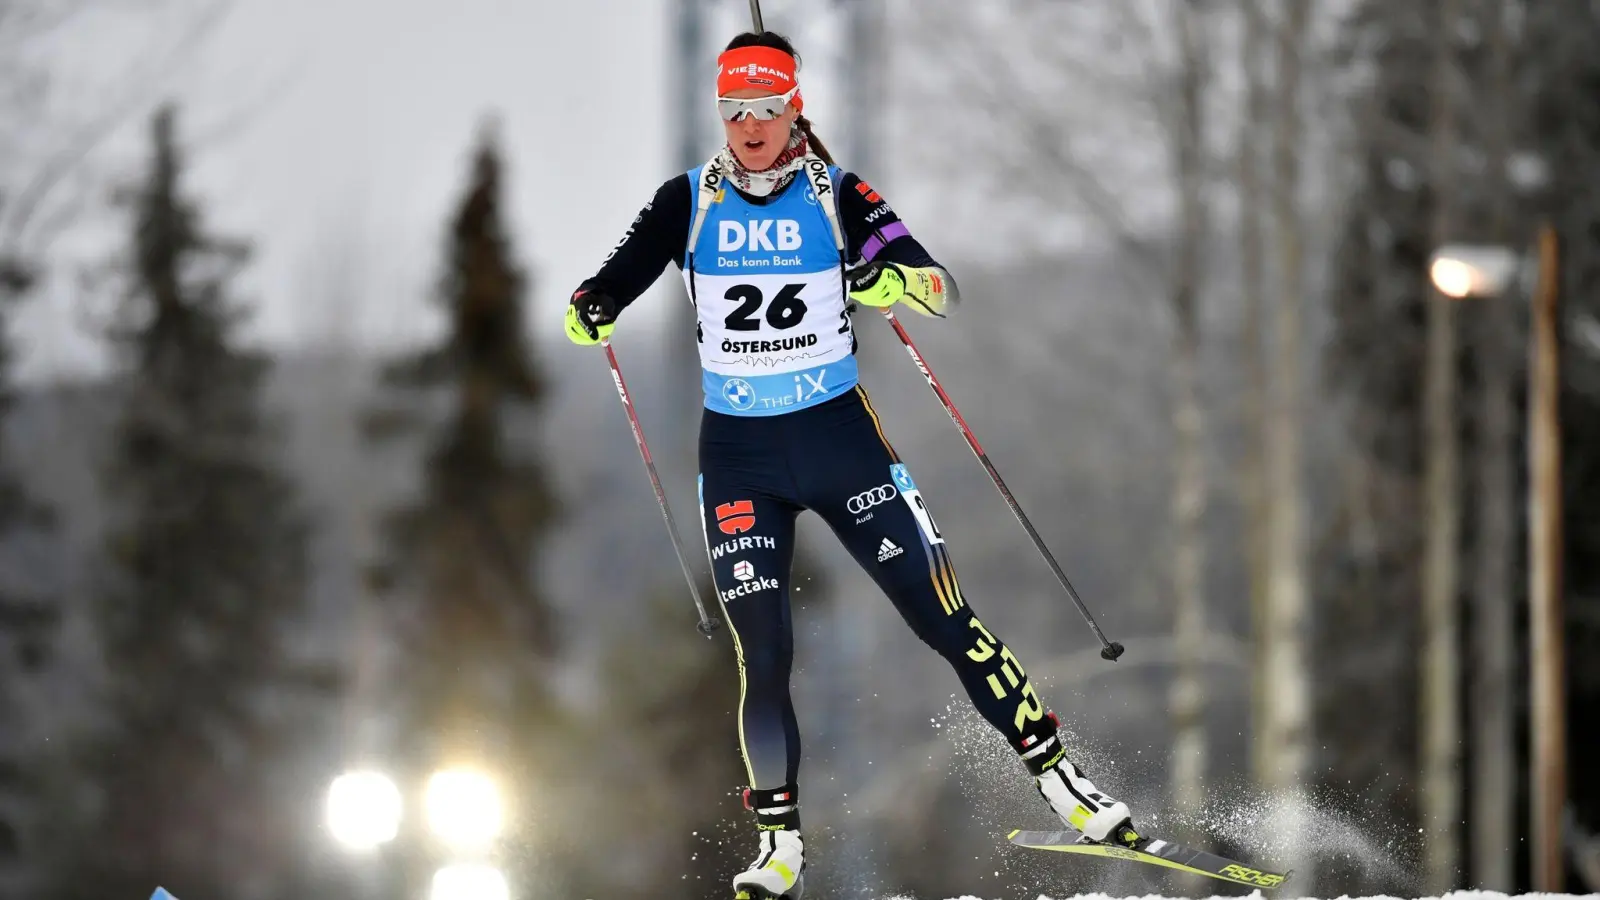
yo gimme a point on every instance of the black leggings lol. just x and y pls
(757, 474)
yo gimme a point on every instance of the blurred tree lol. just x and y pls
(1370, 573)
(1559, 71)
(44, 145)
(29, 621)
(205, 546)
(1438, 148)
(28, 171)
(681, 781)
(1440, 763)
(477, 636)
(1492, 681)
(1283, 723)
(1185, 117)
(1252, 183)
(1165, 97)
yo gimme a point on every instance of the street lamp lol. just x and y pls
(464, 808)
(469, 881)
(363, 809)
(1474, 270)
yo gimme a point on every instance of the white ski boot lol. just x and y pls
(1082, 806)
(778, 871)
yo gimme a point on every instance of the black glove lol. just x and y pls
(878, 283)
(591, 315)
(882, 284)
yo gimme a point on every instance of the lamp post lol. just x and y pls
(1464, 271)
(363, 810)
(464, 812)
(1545, 552)
(363, 813)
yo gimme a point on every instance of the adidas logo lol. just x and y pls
(888, 550)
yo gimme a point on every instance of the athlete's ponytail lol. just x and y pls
(811, 139)
(779, 42)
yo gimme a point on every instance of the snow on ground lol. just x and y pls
(1321, 831)
(1455, 895)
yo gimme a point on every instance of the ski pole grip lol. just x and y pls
(1111, 652)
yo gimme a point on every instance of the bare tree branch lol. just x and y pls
(1047, 149)
(21, 213)
(1144, 30)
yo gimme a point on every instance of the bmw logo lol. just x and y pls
(902, 477)
(739, 394)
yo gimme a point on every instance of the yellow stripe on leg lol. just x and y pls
(876, 423)
(738, 652)
(947, 575)
(938, 585)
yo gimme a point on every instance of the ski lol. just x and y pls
(1153, 851)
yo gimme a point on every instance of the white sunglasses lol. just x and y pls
(763, 108)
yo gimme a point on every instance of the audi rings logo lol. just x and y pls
(866, 500)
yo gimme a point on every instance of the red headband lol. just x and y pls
(767, 68)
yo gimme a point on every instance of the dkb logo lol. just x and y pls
(758, 235)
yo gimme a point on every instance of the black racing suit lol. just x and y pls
(759, 473)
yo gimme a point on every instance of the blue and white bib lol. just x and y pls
(774, 333)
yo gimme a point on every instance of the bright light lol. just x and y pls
(465, 881)
(463, 807)
(1453, 277)
(1474, 270)
(363, 809)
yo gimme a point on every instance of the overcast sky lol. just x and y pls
(335, 134)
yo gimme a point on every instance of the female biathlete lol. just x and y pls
(775, 242)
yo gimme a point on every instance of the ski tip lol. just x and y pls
(1014, 833)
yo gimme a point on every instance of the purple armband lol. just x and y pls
(881, 238)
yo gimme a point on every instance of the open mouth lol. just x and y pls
(754, 145)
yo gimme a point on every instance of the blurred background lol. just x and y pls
(328, 567)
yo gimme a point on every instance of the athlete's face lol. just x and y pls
(757, 142)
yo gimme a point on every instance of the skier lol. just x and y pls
(777, 245)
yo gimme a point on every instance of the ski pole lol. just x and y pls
(707, 625)
(755, 15)
(1110, 650)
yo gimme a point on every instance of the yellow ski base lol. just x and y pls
(1154, 852)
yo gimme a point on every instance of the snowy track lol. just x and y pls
(1289, 895)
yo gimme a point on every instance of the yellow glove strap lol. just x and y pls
(928, 290)
(577, 334)
(886, 291)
